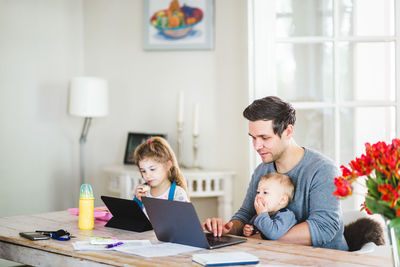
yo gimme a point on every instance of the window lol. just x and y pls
(335, 61)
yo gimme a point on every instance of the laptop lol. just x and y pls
(177, 222)
(127, 215)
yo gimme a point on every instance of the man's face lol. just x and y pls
(267, 144)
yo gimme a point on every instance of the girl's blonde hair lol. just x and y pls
(158, 149)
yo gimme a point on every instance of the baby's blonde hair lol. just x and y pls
(158, 149)
(284, 180)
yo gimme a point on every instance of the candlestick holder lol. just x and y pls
(180, 143)
(195, 151)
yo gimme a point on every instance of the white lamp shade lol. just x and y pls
(88, 97)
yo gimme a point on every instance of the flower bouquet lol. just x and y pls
(380, 167)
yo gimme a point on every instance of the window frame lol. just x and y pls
(262, 73)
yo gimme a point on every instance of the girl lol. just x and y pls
(160, 171)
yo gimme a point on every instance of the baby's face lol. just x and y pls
(272, 192)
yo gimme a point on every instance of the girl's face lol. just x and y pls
(154, 173)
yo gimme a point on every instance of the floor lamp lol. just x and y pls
(88, 98)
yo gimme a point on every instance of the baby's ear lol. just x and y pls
(284, 200)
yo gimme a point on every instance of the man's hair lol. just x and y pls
(283, 180)
(271, 108)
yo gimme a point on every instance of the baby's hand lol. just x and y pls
(248, 230)
(141, 190)
(260, 205)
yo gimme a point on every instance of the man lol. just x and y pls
(318, 212)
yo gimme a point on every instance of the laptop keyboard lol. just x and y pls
(215, 241)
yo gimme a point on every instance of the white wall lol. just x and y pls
(145, 85)
(43, 50)
(40, 50)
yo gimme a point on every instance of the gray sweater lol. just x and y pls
(313, 200)
(274, 226)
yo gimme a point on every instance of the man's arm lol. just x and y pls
(298, 234)
(324, 219)
(237, 228)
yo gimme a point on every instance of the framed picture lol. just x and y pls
(134, 140)
(178, 24)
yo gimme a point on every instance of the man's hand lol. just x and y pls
(260, 205)
(217, 226)
(248, 230)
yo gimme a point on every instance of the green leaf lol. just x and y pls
(372, 186)
(381, 178)
(379, 175)
(380, 207)
(395, 222)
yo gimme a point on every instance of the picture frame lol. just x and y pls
(195, 19)
(133, 141)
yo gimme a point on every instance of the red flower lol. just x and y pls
(343, 187)
(362, 165)
(398, 212)
(389, 194)
(345, 171)
(380, 164)
(364, 207)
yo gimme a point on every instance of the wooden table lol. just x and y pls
(61, 253)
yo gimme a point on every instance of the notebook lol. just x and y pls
(225, 258)
(127, 215)
(177, 222)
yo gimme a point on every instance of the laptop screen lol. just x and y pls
(177, 222)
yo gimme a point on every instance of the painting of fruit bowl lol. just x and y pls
(174, 24)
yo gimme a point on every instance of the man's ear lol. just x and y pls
(289, 131)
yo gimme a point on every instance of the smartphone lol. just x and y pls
(34, 236)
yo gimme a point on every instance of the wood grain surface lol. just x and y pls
(61, 253)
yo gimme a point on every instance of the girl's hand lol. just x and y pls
(141, 190)
(248, 230)
(260, 205)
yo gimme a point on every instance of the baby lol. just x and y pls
(273, 220)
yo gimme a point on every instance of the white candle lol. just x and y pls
(180, 106)
(196, 119)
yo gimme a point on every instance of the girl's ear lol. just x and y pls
(169, 164)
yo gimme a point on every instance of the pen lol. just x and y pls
(114, 245)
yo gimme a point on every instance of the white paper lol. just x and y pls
(158, 250)
(85, 245)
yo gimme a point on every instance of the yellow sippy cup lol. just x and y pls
(86, 208)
